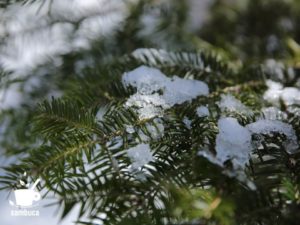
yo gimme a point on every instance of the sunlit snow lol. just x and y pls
(149, 81)
(230, 103)
(276, 92)
(233, 142)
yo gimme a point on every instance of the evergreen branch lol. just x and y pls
(60, 116)
(84, 156)
(187, 61)
(69, 151)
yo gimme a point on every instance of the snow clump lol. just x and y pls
(230, 103)
(145, 79)
(269, 126)
(156, 92)
(202, 111)
(233, 142)
(148, 106)
(140, 155)
(178, 90)
(276, 92)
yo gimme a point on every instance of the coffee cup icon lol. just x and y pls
(26, 197)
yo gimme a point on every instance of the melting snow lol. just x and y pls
(178, 90)
(230, 103)
(233, 142)
(149, 81)
(145, 79)
(148, 105)
(275, 92)
(269, 126)
(140, 155)
(202, 111)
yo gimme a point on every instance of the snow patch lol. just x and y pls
(276, 92)
(178, 90)
(202, 111)
(269, 126)
(230, 103)
(145, 79)
(148, 106)
(157, 92)
(233, 142)
(140, 155)
(129, 129)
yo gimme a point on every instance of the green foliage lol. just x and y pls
(83, 158)
(78, 143)
(193, 204)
